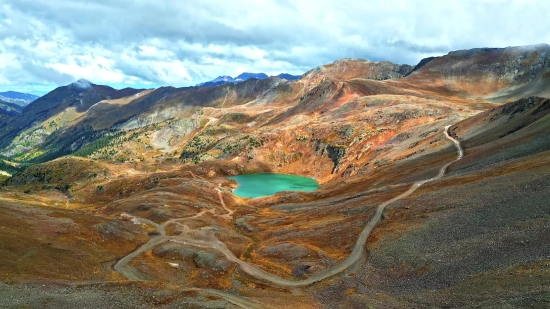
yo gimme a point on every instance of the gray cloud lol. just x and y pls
(43, 74)
(415, 47)
(142, 42)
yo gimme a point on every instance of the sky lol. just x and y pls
(146, 44)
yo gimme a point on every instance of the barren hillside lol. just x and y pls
(434, 188)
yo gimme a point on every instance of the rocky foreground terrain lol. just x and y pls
(435, 182)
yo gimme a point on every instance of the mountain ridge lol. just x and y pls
(341, 79)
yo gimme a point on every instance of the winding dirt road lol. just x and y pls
(206, 238)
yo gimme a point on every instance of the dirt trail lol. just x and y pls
(229, 214)
(223, 103)
(205, 238)
(130, 272)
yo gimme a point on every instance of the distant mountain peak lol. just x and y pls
(225, 79)
(289, 76)
(222, 78)
(81, 84)
(246, 75)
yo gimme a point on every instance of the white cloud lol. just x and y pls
(144, 42)
(89, 67)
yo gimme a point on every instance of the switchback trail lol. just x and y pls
(206, 239)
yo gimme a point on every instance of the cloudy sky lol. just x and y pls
(144, 43)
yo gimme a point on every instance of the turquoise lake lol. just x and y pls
(256, 185)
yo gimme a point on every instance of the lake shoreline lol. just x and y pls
(267, 184)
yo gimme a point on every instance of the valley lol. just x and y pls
(434, 183)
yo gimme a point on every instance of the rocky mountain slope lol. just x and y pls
(10, 109)
(142, 195)
(43, 118)
(494, 74)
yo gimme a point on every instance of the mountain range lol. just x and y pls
(12, 104)
(221, 80)
(434, 187)
(19, 98)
